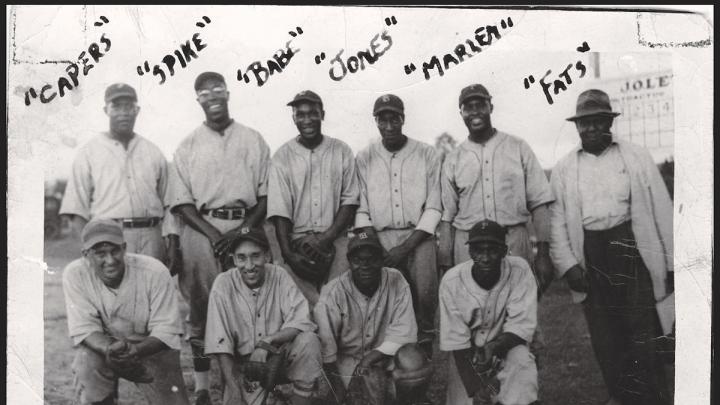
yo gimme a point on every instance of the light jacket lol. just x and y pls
(651, 213)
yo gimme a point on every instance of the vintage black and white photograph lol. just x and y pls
(256, 205)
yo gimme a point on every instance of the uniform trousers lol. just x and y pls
(145, 241)
(168, 388)
(518, 380)
(420, 271)
(302, 368)
(622, 318)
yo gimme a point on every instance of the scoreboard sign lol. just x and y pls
(645, 102)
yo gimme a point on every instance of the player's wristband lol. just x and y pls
(267, 346)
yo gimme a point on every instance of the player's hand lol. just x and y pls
(318, 242)
(294, 260)
(397, 257)
(543, 266)
(222, 244)
(576, 279)
(259, 355)
(484, 355)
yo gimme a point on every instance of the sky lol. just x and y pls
(238, 36)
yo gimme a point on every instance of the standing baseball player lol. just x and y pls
(312, 197)
(123, 319)
(367, 326)
(218, 186)
(488, 314)
(256, 312)
(496, 176)
(123, 176)
(400, 201)
(612, 241)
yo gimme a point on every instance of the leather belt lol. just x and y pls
(139, 222)
(226, 213)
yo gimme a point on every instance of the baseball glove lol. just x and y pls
(367, 386)
(269, 373)
(121, 364)
(478, 374)
(318, 259)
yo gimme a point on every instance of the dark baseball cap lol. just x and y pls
(117, 90)
(487, 231)
(101, 231)
(205, 76)
(363, 239)
(473, 90)
(255, 235)
(306, 96)
(389, 102)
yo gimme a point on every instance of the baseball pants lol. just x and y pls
(303, 368)
(518, 380)
(339, 265)
(167, 389)
(421, 273)
(622, 318)
(145, 241)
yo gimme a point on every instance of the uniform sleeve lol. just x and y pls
(295, 308)
(164, 322)
(218, 334)
(82, 314)
(448, 191)
(522, 303)
(79, 190)
(170, 224)
(350, 194)
(402, 327)
(327, 315)
(537, 188)
(432, 212)
(179, 191)
(454, 332)
(362, 215)
(263, 168)
(280, 198)
(560, 250)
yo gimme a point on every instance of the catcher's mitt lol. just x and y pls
(368, 386)
(269, 373)
(319, 259)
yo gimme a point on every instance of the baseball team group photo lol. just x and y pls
(402, 273)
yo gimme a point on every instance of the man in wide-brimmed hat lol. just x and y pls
(616, 253)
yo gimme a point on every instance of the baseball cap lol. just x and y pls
(388, 102)
(306, 95)
(101, 230)
(487, 231)
(205, 76)
(118, 90)
(255, 235)
(473, 90)
(363, 239)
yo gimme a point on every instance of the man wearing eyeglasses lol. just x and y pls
(123, 318)
(496, 176)
(122, 175)
(400, 202)
(488, 314)
(255, 308)
(218, 186)
(313, 193)
(366, 324)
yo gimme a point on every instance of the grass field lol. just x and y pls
(568, 373)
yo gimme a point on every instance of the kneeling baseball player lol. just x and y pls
(488, 313)
(124, 320)
(258, 327)
(368, 332)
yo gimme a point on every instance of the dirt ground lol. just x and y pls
(568, 372)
